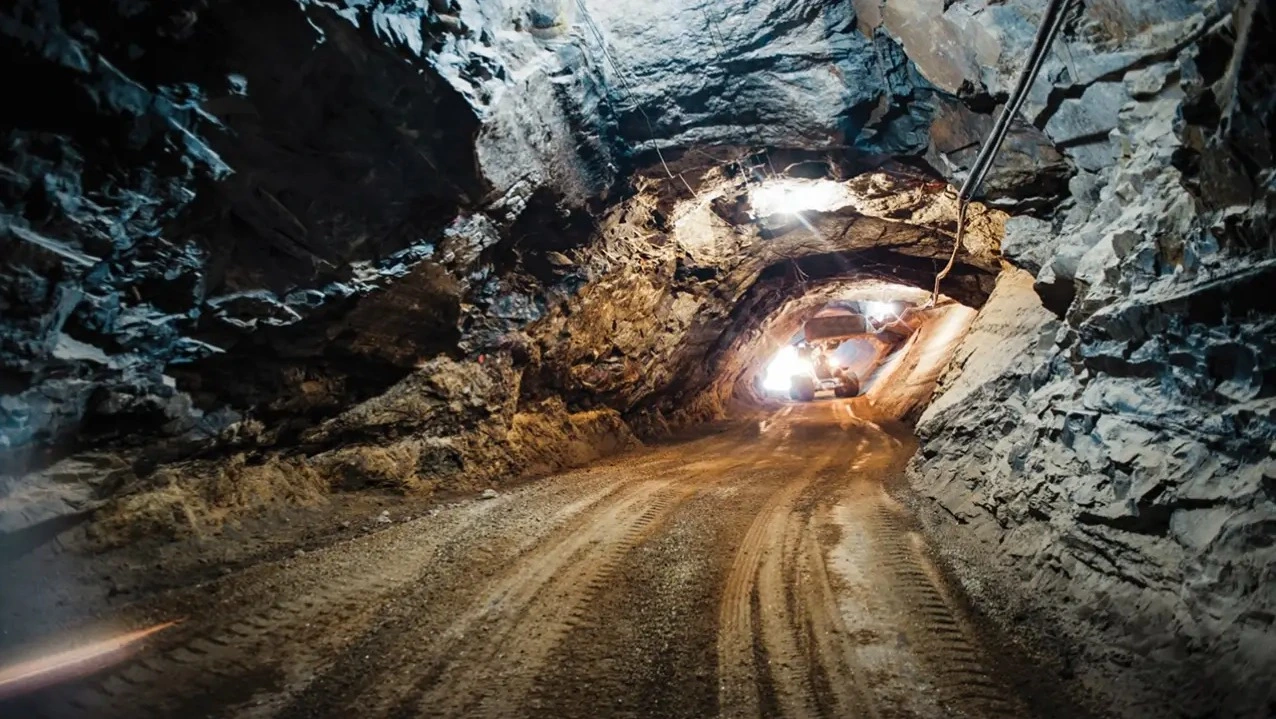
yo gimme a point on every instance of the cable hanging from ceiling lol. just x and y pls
(628, 92)
(1051, 22)
(717, 38)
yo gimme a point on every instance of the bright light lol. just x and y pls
(878, 311)
(62, 666)
(793, 196)
(779, 373)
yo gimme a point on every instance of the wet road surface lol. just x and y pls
(763, 571)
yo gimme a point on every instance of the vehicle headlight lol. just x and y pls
(780, 371)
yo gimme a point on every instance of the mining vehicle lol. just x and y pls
(820, 369)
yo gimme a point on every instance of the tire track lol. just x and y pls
(601, 656)
(836, 680)
(764, 660)
(506, 608)
(232, 659)
(515, 644)
(507, 629)
(516, 655)
(287, 642)
(827, 634)
(422, 649)
(944, 641)
(783, 644)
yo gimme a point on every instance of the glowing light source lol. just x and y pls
(62, 666)
(878, 311)
(794, 196)
(779, 373)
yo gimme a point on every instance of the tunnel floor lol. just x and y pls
(761, 571)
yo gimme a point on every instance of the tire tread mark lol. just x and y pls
(943, 641)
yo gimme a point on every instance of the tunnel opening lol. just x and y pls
(840, 350)
(793, 196)
(881, 344)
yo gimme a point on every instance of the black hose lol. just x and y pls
(1050, 24)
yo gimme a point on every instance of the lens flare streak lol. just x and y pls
(65, 665)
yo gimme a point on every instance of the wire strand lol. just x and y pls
(629, 95)
(719, 42)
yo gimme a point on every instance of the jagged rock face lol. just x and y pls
(217, 182)
(205, 190)
(775, 73)
(1102, 449)
(658, 312)
(235, 222)
(1030, 173)
(651, 338)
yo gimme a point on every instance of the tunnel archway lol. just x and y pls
(883, 228)
(898, 374)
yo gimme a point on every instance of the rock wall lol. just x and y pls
(225, 223)
(308, 185)
(766, 73)
(234, 228)
(904, 386)
(1099, 460)
(640, 331)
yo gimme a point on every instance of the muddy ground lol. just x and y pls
(764, 568)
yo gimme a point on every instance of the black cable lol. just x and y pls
(1051, 22)
(1010, 113)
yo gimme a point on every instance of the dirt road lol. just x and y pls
(762, 571)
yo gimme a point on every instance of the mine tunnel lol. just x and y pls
(669, 359)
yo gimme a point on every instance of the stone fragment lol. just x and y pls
(558, 259)
(1090, 116)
